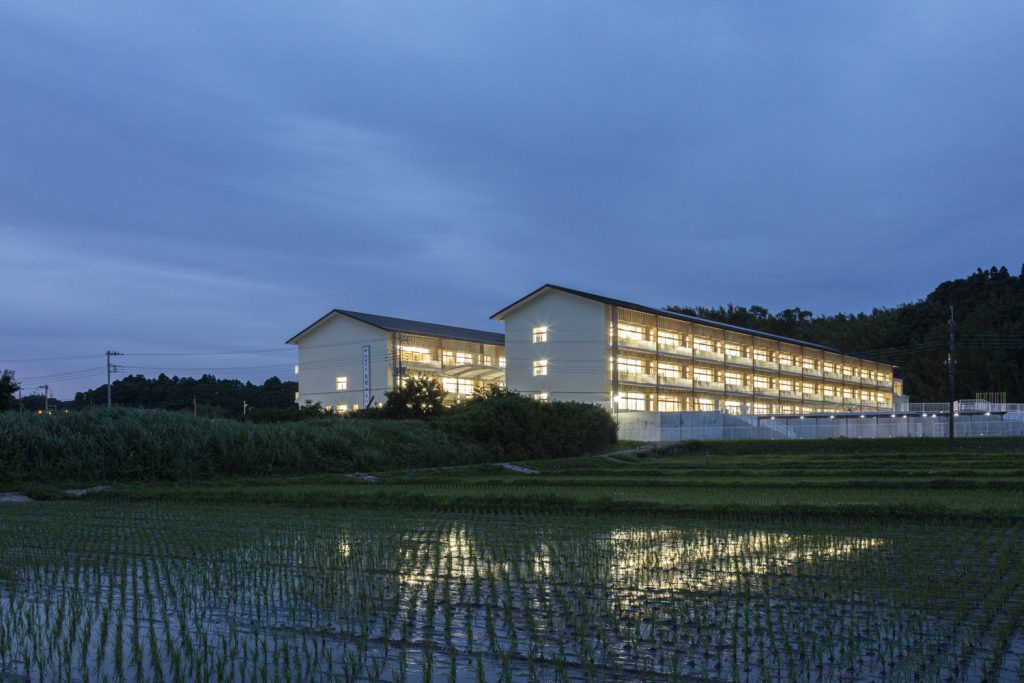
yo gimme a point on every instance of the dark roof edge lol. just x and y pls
(391, 324)
(681, 316)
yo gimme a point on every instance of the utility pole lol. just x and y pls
(951, 362)
(245, 408)
(111, 368)
(195, 409)
(46, 397)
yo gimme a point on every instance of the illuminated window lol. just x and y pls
(463, 358)
(328, 409)
(340, 383)
(670, 404)
(459, 387)
(670, 370)
(786, 384)
(343, 408)
(847, 371)
(703, 344)
(705, 405)
(847, 392)
(632, 401)
(732, 407)
(630, 366)
(501, 361)
(733, 350)
(540, 368)
(828, 390)
(788, 410)
(703, 375)
(808, 363)
(540, 335)
(631, 332)
(669, 338)
(828, 366)
(414, 354)
(763, 355)
(786, 359)
(541, 396)
(760, 409)
(733, 379)
(762, 382)
(296, 369)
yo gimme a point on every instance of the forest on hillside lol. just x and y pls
(989, 327)
(207, 395)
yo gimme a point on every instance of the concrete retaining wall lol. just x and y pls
(667, 427)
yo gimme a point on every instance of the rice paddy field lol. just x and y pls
(880, 567)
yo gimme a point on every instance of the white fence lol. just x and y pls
(667, 427)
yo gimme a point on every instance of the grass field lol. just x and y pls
(982, 480)
(867, 565)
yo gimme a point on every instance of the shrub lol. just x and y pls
(511, 426)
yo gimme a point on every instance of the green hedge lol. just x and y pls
(513, 427)
(133, 444)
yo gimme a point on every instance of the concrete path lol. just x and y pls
(14, 497)
(518, 468)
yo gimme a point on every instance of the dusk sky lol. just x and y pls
(204, 178)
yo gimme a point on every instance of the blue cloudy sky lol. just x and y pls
(199, 177)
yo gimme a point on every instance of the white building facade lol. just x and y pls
(569, 345)
(349, 360)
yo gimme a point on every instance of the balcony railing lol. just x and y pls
(790, 394)
(838, 376)
(637, 344)
(710, 386)
(421, 364)
(766, 364)
(709, 355)
(677, 382)
(675, 350)
(636, 378)
(812, 372)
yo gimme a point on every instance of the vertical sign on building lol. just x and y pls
(366, 376)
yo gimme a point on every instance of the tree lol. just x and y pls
(8, 387)
(416, 397)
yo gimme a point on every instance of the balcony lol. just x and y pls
(632, 378)
(708, 386)
(838, 376)
(790, 394)
(642, 344)
(421, 364)
(817, 398)
(766, 364)
(680, 382)
(812, 372)
(766, 391)
(709, 355)
(675, 350)
(833, 399)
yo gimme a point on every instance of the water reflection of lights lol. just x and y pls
(674, 559)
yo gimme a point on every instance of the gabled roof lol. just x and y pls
(667, 314)
(410, 327)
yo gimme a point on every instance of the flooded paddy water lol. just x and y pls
(101, 591)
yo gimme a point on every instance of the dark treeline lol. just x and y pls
(212, 396)
(989, 314)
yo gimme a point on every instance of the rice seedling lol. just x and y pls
(164, 592)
